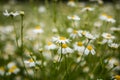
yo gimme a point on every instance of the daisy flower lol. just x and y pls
(74, 17)
(38, 30)
(30, 63)
(60, 39)
(110, 19)
(108, 36)
(12, 68)
(89, 49)
(78, 46)
(87, 9)
(75, 34)
(71, 3)
(50, 46)
(103, 17)
(90, 36)
(6, 13)
(2, 71)
(65, 49)
(42, 9)
(114, 45)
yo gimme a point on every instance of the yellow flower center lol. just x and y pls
(79, 43)
(30, 60)
(109, 16)
(62, 38)
(38, 27)
(73, 17)
(117, 77)
(49, 43)
(12, 69)
(104, 14)
(89, 47)
(74, 31)
(64, 45)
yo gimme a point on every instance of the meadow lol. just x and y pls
(60, 40)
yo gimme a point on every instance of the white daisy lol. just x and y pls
(12, 68)
(38, 29)
(6, 13)
(60, 40)
(90, 36)
(65, 49)
(110, 19)
(78, 46)
(103, 17)
(71, 3)
(74, 17)
(108, 36)
(114, 45)
(29, 63)
(89, 49)
(87, 9)
(75, 34)
(50, 46)
(42, 9)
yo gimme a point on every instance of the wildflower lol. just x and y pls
(12, 68)
(22, 13)
(71, 3)
(60, 39)
(103, 17)
(98, 24)
(115, 28)
(74, 17)
(42, 9)
(2, 71)
(87, 9)
(114, 45)
(117, 77)
(78, 46)
(107, 36)
(30, 63)
(90, 36)
(50, 46)
(75, 34)
(69, 30)
(6, 13)
(38, 30)
(110, 19)
(89, 49)
(65, 49)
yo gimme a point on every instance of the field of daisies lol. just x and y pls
(60, 40)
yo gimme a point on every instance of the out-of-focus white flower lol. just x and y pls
(42, 9)
(90, 36)
(2, 71)
(65, 49)
(86, 69)
(60, 40)
(74, 17)
(69, 30)
(115, 28)
(108, 36)
(71, 3)
(75, 34)
(6, 29)
(87, 9)
(54, 30)
(107, 18)
(78, 46)
(98, 24)
(38, 29)
(110, 19)
(12, 68)
(89, 49)
(50, 46)
(114, 45)
(103, 17)
(6, 13)
(30, 63)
